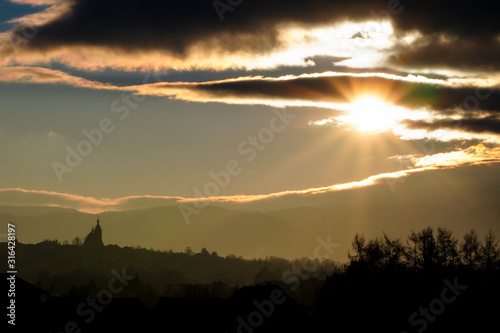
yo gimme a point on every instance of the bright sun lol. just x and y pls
(370, 114)
(373, 115)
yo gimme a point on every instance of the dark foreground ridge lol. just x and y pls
(395, 302)
(261, 308)
(433, 283)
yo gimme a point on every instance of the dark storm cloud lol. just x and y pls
(444, 98)
(481, 53)
(404, 91)
(489, 124)
(454, 34)
(175, 25)
(250, 25)
(453, 17)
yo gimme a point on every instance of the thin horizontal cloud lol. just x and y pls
(24, 197)
(473, 155)
(40, 75)
(330, 87)
(489, 124)
(36, 2)
(372, 180)
(28, 24)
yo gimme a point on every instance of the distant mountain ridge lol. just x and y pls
(289, 226)
(288, 233)
(32, 210)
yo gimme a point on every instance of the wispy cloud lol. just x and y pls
(473, 155)
(22, 74)
(331, 87)
(479, 154)
(24, 197)
(36, 2)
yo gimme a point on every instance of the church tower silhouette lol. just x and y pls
(94, 238)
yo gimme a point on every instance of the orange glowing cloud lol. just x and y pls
(23, 197)
(479, 154)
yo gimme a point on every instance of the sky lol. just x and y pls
(118, 104)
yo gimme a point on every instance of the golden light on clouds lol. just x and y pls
(343, 66)
(18, 196)
(361, 44)
(479, 154)
(372, 115)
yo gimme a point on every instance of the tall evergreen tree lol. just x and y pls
(446, 247)
(470, 249)
(421, 249)
(490, 253)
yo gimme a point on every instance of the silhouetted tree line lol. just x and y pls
(430, 282)
(427, 250)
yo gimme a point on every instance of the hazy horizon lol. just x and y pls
(257, 108)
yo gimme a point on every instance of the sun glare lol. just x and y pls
(370, 114)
